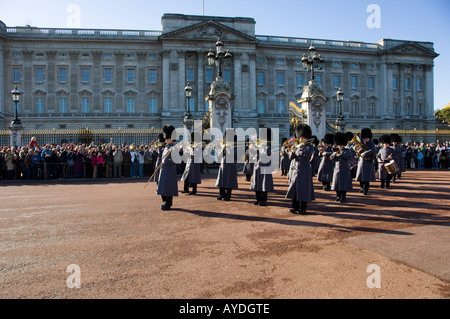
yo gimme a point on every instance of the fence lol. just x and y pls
(98, 136)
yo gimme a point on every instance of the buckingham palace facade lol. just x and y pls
(72, 78)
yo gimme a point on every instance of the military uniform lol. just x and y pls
(262, 179)
(342, 176)
(227, 174)
(167, 185)
(365, 173)
(192, 172)
(325, 171)
(383, 157)
(301, 189)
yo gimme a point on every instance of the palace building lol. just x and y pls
(76, 78)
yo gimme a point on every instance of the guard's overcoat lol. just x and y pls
(342, 176)
(167, 185)
(227, 174)
(325, 172)
(300, 174)
(366, 169)
(262, 179)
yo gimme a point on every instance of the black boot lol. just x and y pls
(383, 183)
(295, 206)
(263, 199)
(185, 188)
(338, 196)
(221, 194)
(258, 198)
(194, 189)
(343, 196)
(227, 196)
(303, 207)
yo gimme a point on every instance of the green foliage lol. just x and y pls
(444, 114)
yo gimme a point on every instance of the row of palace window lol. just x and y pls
(337, 82)
(261, 106)
(190, 76)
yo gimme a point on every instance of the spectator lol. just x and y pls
(118, 158)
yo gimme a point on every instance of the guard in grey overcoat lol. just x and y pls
(315, 161)
(365, 173)
(396, 140)
(342, 176)
(262, 179)
(325, 171)
(167, 185)
(192, 172)
(249, 163)
(301, 189)
(384, 156)
(227, 174)
(284, 157)
(159, 151)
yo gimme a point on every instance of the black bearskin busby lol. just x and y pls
(350, 135)
(168, 130)
(303, 130)
(396, 138)
(315, 140)
(385, 139)
(366, 133)
(161, 138)
(340, 138)
(328, 139)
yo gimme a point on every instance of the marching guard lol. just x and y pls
(159, 151)
(365, 173)
(284, 157)
(342, 176)
(301, 189)
(325, 171)
(227, 174)
(262, 179)
(384, 157)
(315, 161)
(192, 171)
(396, 140)
(167, 181)
(248, 162)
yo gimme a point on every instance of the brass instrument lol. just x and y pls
(358, 144)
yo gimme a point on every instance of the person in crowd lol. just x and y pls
(325, 171)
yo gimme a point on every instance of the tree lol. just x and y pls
(444, 114)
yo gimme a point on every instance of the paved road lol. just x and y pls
(389, 244)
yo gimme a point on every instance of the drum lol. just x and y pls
(391, 167)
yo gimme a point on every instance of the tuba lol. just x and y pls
(358, 144)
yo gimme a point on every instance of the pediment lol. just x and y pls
(412, 49)
(208, 31)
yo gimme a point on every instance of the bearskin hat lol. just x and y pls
(366, 133)
(385, 139)
(350, 135)
(161, 138)
(168, 130)
(315, 140)
(396, 138)
(284, 139)
(340, 138)
(304, 130)
(328, 139)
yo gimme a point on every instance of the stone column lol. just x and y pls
(142, 100)
(119, 104)
(252, 100)
(166, 81)
(96, 82)
(237, 79)
(51, 71)
(429, 89)
(74, 106)
(27, 99)
(2, 76)
(200, 80)
(181, 80)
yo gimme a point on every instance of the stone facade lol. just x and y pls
(73, 78)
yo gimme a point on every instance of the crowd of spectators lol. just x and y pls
(108, 160)
(71, 160)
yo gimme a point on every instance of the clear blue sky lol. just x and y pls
(337, 20)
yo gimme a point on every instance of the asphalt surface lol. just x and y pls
(392, 243)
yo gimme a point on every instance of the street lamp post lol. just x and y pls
(219, 58)
(16, 99)
(312, 61)
(188, 120)
(340, 124)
